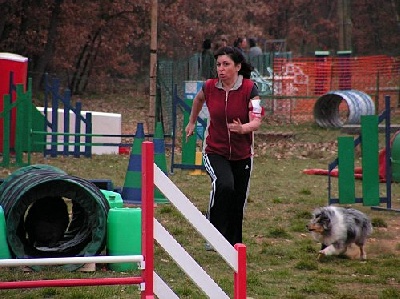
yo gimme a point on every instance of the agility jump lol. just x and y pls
(150, 282)
(370, 163)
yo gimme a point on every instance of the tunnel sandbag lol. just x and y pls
(327, 112)
(28, 186)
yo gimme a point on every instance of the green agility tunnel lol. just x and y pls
(86, 209)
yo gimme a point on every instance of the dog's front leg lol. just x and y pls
(333, 249)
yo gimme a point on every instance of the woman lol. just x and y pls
(235, 113)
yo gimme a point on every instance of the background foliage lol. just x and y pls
(95, 40)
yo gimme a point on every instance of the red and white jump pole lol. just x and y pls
(147, 219)
(240, 276)
(146, 259)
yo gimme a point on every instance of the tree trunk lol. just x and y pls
(396, 11)
(85, 57)
(153, 68)
(47, 54)
(5, 10)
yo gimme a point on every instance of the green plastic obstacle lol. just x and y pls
(4, 250)
(370, 160)
(124, 231)
(370, 164)
(395, 158)
(346, 181)
(27, 119)
(23, 111)
(189, 146)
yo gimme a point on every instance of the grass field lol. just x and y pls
(281, 255)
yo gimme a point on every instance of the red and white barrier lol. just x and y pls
(234, 256)
(150, 282)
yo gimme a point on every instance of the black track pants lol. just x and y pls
(230, 182)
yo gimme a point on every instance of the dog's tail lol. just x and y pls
(368, 227)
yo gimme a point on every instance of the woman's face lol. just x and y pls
(243, 44)
(226, 68)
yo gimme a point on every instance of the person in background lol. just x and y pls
(254, 50)
(241, 44)
(235, 113)
(208, 69)
(223, 42)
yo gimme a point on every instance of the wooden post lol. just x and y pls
(153, 68)
(344, 23)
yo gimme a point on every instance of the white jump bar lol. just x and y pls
(71, 260)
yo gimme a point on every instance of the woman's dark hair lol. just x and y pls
(237, 42)
(236, 55)
(207, 44)
(252, 42)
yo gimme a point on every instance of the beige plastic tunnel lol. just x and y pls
(327, 112)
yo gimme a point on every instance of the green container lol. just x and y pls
(395, 158)
(124, 235)
(4, 250)
(396, 171)
(114, 198)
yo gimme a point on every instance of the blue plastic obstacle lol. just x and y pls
(132, 189)
(159, 159)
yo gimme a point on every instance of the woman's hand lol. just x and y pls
(236, 126)
(189, 130)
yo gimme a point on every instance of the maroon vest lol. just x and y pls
(224, 107)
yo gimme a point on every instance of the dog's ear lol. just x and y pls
(325, 221)
(317, 213)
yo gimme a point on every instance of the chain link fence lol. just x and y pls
(290, 87)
